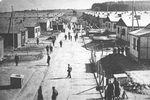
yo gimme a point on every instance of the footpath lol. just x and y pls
(82, 84)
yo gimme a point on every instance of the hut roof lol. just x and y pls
(15, 28)
(140, 32)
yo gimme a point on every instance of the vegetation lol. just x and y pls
(121, 6)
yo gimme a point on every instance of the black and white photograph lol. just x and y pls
(74, 49)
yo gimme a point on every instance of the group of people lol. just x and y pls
(69, 36)
(120, 50)
(112, 90)
(54, 93)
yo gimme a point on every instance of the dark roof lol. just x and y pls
(15, 28)
(148, 26)
(121, 22)
(1, 38)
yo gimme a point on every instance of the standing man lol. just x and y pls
(110, 90)
(16, 59)
(118, 50)
(69, 71)
(51, 48)
(53, 41)
(48, 59)
(65, 37)
(116, 89)
(54, 94)
(40, 96)
(69, 35)
(60, 43)
(37, 41)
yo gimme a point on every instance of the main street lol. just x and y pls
(82, 84)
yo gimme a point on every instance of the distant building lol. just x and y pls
(126, 24)
(111, 23)
(15, 35)
(33, 27)
(44, 24)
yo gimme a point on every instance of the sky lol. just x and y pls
(5, 5)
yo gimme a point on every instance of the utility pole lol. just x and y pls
(37, 16)
(132, 15)
(13, 26)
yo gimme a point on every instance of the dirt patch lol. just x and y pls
(22, 58)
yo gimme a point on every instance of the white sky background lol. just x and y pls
(5, 5)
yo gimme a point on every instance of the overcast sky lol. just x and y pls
(5, 5)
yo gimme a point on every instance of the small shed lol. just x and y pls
(140, 44)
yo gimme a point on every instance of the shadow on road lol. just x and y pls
(7, 87)
(58, 78)
(86, 90)
(40, 65)
(88, 68)
(94, 99)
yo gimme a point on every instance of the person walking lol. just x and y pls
(54, 93)
(60, 43)
(116, 89)
(40, 96)
(69, 71)
(53, 41)
(65, 37)
(16, 59)
(47, 49)
(48, 59)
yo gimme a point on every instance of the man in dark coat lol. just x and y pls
(37, 41)
(116, 89)
(53, 41)
(54, 94)
(69, 36)
(48, 59)
(60, 43)
(118, 50)
(110, 91)
(65, 37)
(51, 48)
(47, 49)
(40, 96)
(16, 59)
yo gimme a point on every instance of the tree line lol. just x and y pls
(121, 6)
